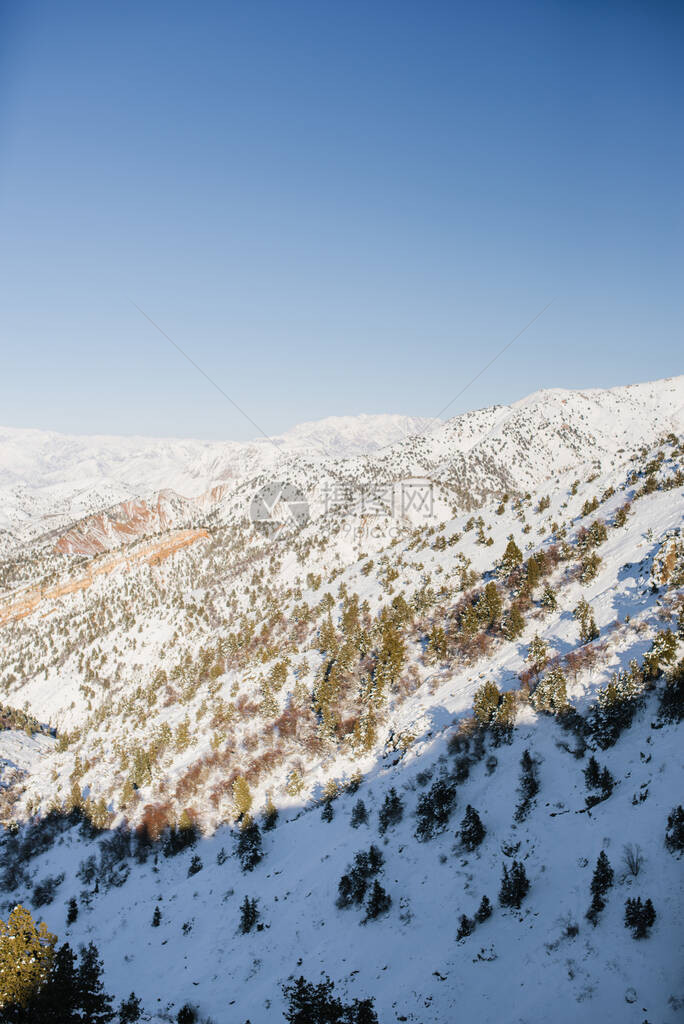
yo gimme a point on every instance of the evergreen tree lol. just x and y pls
(156, 917)
(270, 815)
(242, 796)
(472, 829)
(466, 927)
(359, 815)
(514, 885)
(674, 834)
(72, 912)
(548, 599)
(194, 866)
(551, 692)
(529, 785)
(130, 1010)
(391, 812)
(328, 812)
(597, 905)
(485, 703)
(639, 917)
(58, 1001)
(379, 902)
(249, 915)
(249, 850)
(434, 808)
(584, 615)
(538, 654)
(26, 956)
(592, 773)
(310, 1003)
(515, 623)
(94, 1003)
(603, 875)
(483, 911)
(512, 558)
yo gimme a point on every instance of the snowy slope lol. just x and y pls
(182, 668)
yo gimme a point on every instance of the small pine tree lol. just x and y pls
(270, 815)
(548, 599)
(597, 905)
(514, 624)
(95, 1004)
(328, 812)
(156, 917)
(130, 1010)
(592, 773)
(391, 812)
(249, 915)
(512, 558)
(639, 917)
(72, 912)
(483, 911)
(242, 797)
(485, 703)
(379, 902)
(466, 927)
(359, 814)
(603, 875)
(472, 830)
(674, 834)
(195, 866)
(249, 850)
(538, 654)
(514, 885)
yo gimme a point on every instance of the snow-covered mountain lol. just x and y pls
(467, 615)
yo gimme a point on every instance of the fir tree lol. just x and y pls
(466, 927)
(592, 773)
(603, 875)
(434, 808)
(483, 911)
(72, 912)
(94, 1003)
(391, 812)
(472, 830)
(548, 599)
(529, 785)
(249, 915)
(130, 1010)
(538, 654)
(379, 902)
(156, 917)
(249, 849)
(26, 956)
(514, 885)
(597, 905)
(359, 815)
(514, 624)
(485, 703)
(512, 558)
(551, 692)
(311, 1003)
(194, 866)
(328, 812)
(270, 815)
(639, 917)
(674, 834)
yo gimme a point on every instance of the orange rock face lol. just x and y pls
(151, 553)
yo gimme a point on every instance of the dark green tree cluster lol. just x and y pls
(391, 812)
(639, 916)
(353, 885)
(514, 885)
(472, 830)
(529, 785)
(309, 1002)
(435, 807)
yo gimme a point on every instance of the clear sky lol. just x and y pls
(333, 207)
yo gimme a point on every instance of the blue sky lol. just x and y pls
(333, 208)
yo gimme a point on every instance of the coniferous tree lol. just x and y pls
(311, 1003)
(249, 850)
(639, 917)
(379, 901)
(485, 703)
(592, 773)
(674, 834)
(359, 815)
(529, 785)
(156, 917)
(483, 911)
(466, 927)
(130, 1010)
(72, 912)
(514, 885)
(472, 830)
(603, 875)
(514, 623)
(391, 812)
(94, 1003)
(512, 558)
(249, 915)
(194, 866)
(270, 815)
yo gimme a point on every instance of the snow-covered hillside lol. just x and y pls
(465, 617)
